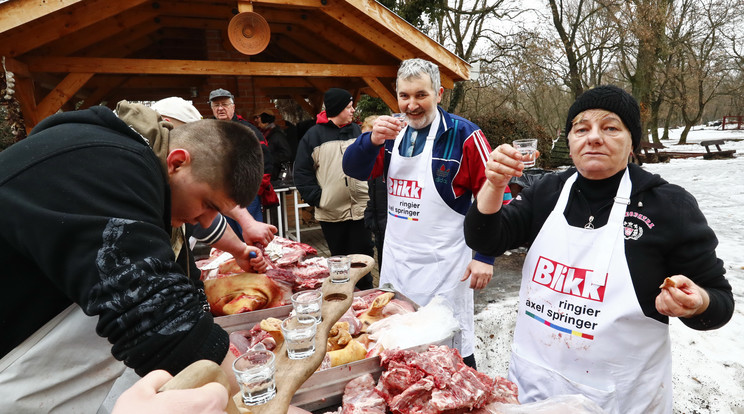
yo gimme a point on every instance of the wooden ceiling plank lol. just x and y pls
(54, 26)
(312, 4)
(124, 43)
(383, 93)
(193, 22)
(62, 93)
(301, 51)
(199, 67)
(338, 42)
(19, 12)
(404, 30)
(99, 32)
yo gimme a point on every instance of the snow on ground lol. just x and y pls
(708, 366)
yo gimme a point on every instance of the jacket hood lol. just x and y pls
(321, 118)
(96, 115)
(149, 125)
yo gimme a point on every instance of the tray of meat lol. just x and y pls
(293, 268)
(377, 320)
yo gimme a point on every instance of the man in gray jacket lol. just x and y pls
(339, 200)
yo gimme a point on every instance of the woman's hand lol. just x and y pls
(684, 300)
(503, 163)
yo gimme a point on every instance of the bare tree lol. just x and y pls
(584, 38)
(703, 58)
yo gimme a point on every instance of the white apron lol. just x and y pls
(64, 367)
(425, 251)
(580, 329)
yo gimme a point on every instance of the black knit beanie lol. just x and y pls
(335, 100)
(613, 99)
(266, 118)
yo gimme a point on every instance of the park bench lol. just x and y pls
(719, 153)
(654, 156)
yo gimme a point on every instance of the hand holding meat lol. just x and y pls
(682, 299)
(479, 273)
(385, 128)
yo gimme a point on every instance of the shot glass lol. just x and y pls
(299, 336)
(254, 371)
(527, 147)
(401, 116)
(308, 303)
(339, 268)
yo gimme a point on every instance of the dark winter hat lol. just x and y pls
(220, 93)
(335, 100)
(266, 118)
(613, 99)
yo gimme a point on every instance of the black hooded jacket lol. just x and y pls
(85, 212)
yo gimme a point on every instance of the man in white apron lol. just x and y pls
(592, 318)
(434, 163)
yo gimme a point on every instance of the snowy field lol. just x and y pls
(708, 366)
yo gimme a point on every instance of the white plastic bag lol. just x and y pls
(430, 324)
(558, 404)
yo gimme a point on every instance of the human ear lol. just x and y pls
(177, 158)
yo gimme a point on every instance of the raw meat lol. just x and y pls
(361, 397)
(243, 340)
(437, 381)
(308, 274)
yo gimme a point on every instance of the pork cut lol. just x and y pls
(437, 381)
(361, 397)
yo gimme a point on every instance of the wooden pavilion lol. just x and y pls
(73, 53)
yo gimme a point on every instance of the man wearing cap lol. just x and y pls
(339, 200)
(615, 251)
(222, 103)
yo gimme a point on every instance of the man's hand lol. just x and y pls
(143, 398)
(254, 232)
(479, 273)
(255, 263)
(258, 233)
(386, 128)
(683, 300)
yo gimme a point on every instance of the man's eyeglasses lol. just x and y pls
(222, 105)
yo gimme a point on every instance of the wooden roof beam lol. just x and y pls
(105, 29)
(61, 94)
(103, 90)
(56, 64)
(19, 69)
(19, 12)
(400, 27)
(383, 93)
(53, 26)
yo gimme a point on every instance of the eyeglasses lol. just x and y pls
(222, 105)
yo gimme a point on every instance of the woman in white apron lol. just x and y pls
(592, 318)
